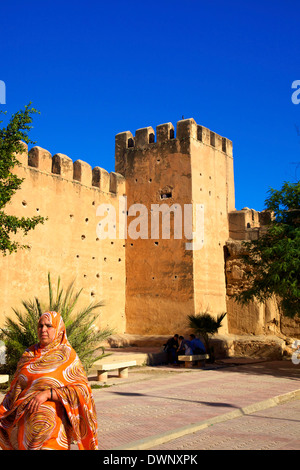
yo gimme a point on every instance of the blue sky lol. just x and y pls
(97, 68)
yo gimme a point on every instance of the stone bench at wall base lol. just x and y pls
(188, 360)
(103, 369)
(4, 378)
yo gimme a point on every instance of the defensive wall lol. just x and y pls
(66, 245)
(148, 280)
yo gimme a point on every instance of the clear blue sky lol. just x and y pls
(97, 68)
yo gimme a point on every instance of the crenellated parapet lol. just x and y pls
(248, 224)
(186, 129)
(78, 171)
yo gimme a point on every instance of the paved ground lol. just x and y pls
(232, 405)
(244, 406)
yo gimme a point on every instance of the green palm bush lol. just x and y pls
(205, 325)
(82, 334)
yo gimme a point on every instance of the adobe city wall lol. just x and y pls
(67, 245)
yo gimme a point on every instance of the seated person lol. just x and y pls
(196, 345)
(171, 347)
(184, 348)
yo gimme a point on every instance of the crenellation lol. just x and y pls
(203, 134)
(62, 165)
(164, 132)
(186, 129)
(116, 183)
(40, 158)
(82, 172)
(101, 179)
(218, 142)
(22, 157)
(144, 136)
(229, 147)
(123, 141)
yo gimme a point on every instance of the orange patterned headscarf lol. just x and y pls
(56, 423)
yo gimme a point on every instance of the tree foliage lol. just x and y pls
(11, 138)
(273, 260)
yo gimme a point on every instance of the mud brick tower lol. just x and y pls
(189, 168)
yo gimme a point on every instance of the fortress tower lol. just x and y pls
(172, 173)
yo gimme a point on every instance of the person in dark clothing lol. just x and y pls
(171, 347)
(196, 345)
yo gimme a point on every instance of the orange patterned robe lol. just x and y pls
(56, 423)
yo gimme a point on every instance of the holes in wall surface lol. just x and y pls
(150, 180)
(209, 192)
(156, 243)
(82, 237)
(93, 293)
(93, 203)
(86, 220)
(105, 259)
(24, 203)
(97, 239)
(71, 216)
(77, 256)
(37, 209)
(158, 160)
(119, 260)
(98, 275)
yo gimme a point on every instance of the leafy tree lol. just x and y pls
(11, 138)
(81, 332)
(273, 261)
(206, 325)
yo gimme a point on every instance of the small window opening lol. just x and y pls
(166, 195)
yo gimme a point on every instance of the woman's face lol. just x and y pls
(46, 331)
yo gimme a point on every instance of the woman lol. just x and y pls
(49, 403)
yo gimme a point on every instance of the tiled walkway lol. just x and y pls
(161, 408)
